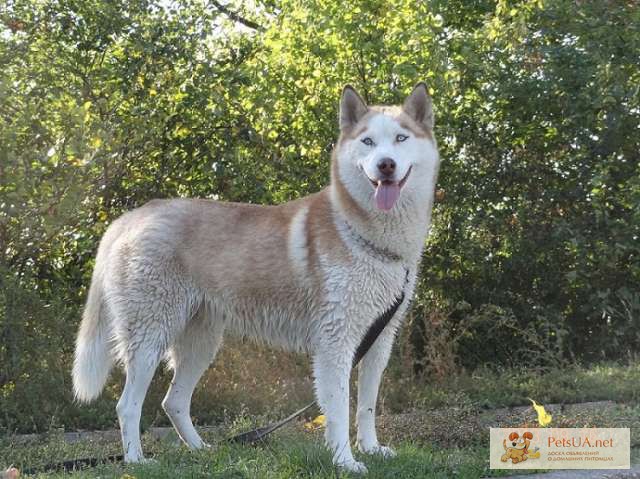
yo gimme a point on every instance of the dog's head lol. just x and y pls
(517, 442)
(386, 156)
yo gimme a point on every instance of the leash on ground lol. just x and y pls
(255, 435)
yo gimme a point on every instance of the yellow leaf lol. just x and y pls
(181, 132)
(317, 423)
(544, 418)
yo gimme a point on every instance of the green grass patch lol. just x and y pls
(440, 429)
(491, 389)
(288, 455)
(439, 443)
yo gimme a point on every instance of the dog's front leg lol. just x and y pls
(332, 369)
(369, 376)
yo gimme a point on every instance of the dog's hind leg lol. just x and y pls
(190, 356)
(146, 323)
(140, 367)
(369, 376)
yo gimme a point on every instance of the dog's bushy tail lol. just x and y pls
(93, 359)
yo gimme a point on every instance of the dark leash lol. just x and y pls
(255, 435)
(374, 331)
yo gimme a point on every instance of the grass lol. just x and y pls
(489, 389)
(289, 455)
(438, 428)
(449, 442)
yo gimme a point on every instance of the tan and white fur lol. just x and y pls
(309, 275)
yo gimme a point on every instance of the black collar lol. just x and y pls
(370, 247)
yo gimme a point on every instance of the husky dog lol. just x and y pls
(309, 275)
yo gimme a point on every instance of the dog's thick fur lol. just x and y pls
(309, 275)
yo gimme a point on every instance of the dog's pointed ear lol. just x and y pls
(352, 107)
(418, 106)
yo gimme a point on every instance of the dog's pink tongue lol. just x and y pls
(386, 195)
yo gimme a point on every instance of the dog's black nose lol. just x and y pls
(387, 166)
(514, 444)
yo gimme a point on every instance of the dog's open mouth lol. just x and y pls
(388, 192)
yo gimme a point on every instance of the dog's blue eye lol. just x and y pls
(367, 141)
(401, 137)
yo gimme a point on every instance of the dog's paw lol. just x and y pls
(200, 445)
(351, 465)
(383, 451)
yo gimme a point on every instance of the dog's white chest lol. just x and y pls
(360, 292)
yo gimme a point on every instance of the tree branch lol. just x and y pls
(236, 17)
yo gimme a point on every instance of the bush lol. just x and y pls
(444, 342)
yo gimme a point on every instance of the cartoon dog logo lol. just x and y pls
(517, 448)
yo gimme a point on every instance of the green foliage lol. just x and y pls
(107, 104)
(490, 389)
(36, 350)
(541, 214)
(33, 336)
